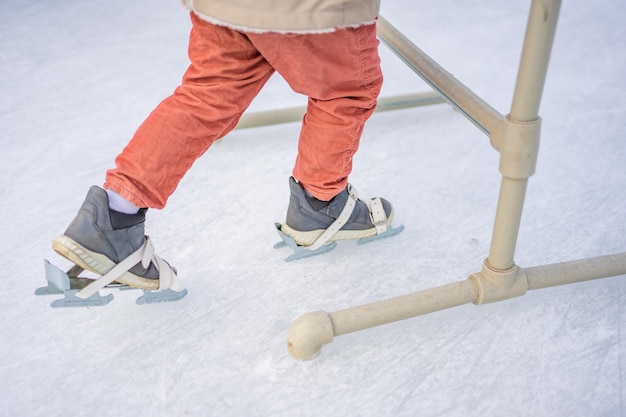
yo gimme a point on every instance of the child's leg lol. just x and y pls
(340, 73)
(225, 74)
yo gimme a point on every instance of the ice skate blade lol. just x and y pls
(299, 252)
(71, 300)
(69, 284)
(391, 231)
(163, 296)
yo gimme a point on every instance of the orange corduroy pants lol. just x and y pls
(339, 71)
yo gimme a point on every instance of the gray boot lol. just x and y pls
(99, 238)
(309, 218)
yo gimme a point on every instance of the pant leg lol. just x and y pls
(340, 73)
(225, 74)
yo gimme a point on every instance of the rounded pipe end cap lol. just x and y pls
(308, 334)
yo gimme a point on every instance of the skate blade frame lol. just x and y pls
(300, 252)
(69, 283)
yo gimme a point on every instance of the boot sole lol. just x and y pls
(309, 237)
(98, 263)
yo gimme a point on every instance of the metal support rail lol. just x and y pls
(516, 137)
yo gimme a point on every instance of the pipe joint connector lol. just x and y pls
(495, 285)
(518, 143)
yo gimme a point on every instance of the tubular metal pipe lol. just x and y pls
(536, 51)
(294, 114)
(403, 307)
(485, 117)
(507, 223)
(271, 117)
(500, 278)
(311, 331)
(531, 78)
(576, 271)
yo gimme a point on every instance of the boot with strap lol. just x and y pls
(312, 226)
(113, 245)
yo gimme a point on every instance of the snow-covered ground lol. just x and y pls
(79, 77)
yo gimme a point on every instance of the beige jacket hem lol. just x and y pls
(286, 16)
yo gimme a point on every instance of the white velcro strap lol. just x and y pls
(167, 277)
(377, 214)
(345, 214)
(148, 251)
(145, 255)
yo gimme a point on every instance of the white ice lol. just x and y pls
(77, 78)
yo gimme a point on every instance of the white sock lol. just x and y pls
(120, 204)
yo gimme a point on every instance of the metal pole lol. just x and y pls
(295, 114)
(576, 271)
(536, 51)
(485, 117)
(520, 134)
(311, 331)
(500, 279)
